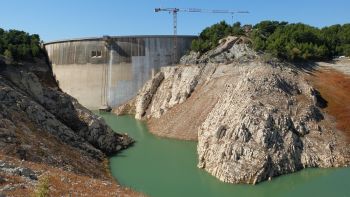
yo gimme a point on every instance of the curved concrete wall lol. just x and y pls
(110, 70)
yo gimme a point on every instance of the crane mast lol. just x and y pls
(174, 11)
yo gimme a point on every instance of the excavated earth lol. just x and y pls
(254, 117)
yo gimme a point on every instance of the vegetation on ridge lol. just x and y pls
(19, 45)
(293, 42)
(210, 36)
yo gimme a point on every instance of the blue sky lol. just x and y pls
(63, 19)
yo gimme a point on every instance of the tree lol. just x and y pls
(19, 45)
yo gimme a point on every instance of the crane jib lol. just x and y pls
(174, 11)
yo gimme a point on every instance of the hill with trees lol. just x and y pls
(293, 42)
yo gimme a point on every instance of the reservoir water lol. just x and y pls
(162, 167)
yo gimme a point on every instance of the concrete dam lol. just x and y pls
(108, 71)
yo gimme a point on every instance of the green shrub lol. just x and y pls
(42, 188)
(19, 45)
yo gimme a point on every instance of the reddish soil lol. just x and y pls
(334, 86)
(62, 183)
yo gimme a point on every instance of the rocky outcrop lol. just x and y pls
(147, 93)
(263, 118)
(230, 48)
(266, 124)
(126, 109)
(8, 170)
(33, 104)
(17, 170)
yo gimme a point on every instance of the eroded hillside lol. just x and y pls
(255, 117)
(46, 133)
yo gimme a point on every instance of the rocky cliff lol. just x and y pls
(254, 117)
(39, 123)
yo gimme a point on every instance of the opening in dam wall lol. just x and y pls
(110, 70)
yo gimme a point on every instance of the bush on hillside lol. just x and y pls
(19, 45)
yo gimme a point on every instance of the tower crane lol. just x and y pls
(174, 11)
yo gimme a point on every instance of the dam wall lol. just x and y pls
(108, 71)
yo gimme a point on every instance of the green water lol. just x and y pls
(167, 168)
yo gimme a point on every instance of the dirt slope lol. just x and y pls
(333, 82)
